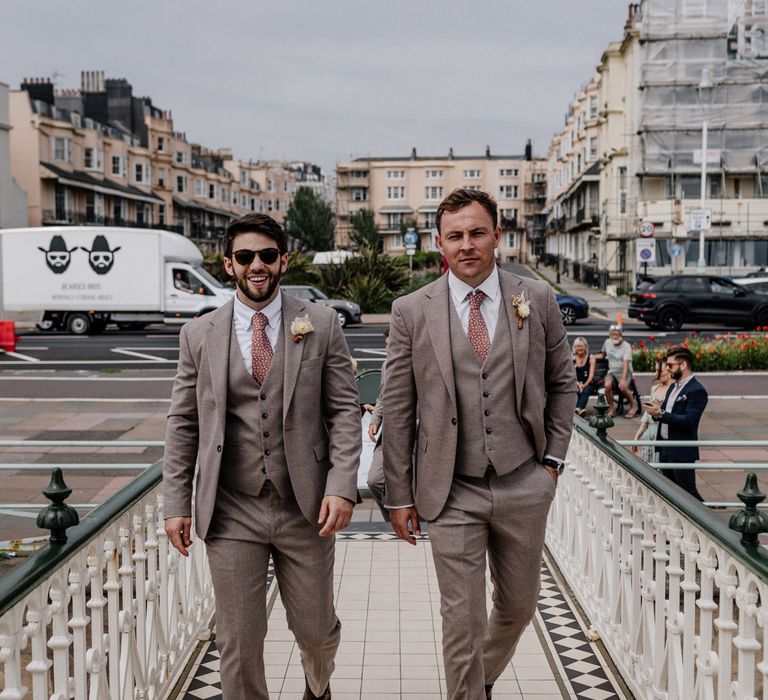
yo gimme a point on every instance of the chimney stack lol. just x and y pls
(413, 153)
(487, 151)
(528, 150)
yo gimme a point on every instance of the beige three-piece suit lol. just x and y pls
(267, 455)
(482, 432)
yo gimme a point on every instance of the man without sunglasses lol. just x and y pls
(277, 468)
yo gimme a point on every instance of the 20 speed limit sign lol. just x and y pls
(646, 229)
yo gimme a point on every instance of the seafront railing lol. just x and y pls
(113, 613)
(676, 597)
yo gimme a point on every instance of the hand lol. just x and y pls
(579, 386)
(372, 430)
(335, 514)
(368, 407)
(400, 519)
(179, 533)
(653, 409)
(635, 449)
(553, 473)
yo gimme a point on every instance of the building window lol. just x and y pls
(474, 188)
(270, 186)
(277, 205)
(396, 174)
(358, 194)
(397, 240)
(142, 215)
(395, 192)
(161, 143)
(211, 191)
(138, 172)
(509, 172)
(117, 166)
(117, 211)
(508, 192)
(509, 216)
(181, 183)
(472, 174)
(224, 194)
(694, 9)
(94, 159)
(433, 192)
(62, 149)
(161, 214)
(253, 204)
(433, 174)
(690, 187)
(358, 174)
(593, 147)
(593, 106)
(199, 187)
(511, 239)
(181, 157)
(430, 219)
(161, 177)
(394, 220)
(761, 185)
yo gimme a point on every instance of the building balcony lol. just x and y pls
(51, 218)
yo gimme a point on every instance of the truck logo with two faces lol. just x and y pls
(58, 257)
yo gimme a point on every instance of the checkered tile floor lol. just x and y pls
(391, 637)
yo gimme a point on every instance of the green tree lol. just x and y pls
(310, 220)
(364, 233)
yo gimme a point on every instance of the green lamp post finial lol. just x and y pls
(749, 521)
(58, 516)
(601, 421)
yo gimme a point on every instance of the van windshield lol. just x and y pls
(208, 277)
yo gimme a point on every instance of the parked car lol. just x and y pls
(347, 311)
(679, 299)
(572, 308)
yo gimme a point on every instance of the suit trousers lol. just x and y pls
(684, 478)
(244, 532)
(376, 479)
(505, 518)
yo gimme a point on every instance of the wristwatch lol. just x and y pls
(555, 464)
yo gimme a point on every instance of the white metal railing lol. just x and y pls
(678, 601)
(116, 612)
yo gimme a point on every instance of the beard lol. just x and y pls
(677, 375)
(273, 281)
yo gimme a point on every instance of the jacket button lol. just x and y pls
(454, 421)
(485, 394)
(266, 433)
(487, 412)
(485, 375)
(267, 452)
(218, 448)
(263, 397)
(488, 431)
(265, 415)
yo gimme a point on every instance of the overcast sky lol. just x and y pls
(327, 80)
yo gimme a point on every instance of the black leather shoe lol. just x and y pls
(309, 695)
(488, 689)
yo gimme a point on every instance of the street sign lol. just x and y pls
(411, 237)
(647, 228)
(713, 156)
(646, 251)
(676, 251)
(701, 219)
(410, 249)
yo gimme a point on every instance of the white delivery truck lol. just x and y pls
(83, 277)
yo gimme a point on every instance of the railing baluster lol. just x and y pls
(79, 625)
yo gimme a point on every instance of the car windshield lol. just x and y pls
(208, 277)
(317, 293)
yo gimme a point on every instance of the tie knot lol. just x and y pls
(476, 298)
(259, 321)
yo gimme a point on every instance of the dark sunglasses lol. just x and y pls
(266, 255)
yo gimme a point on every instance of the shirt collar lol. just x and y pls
(683, 382)
(459, 289)
(273, 311)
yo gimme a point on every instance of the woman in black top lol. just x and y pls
(585, 373)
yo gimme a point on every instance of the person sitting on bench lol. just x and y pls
(618, 352)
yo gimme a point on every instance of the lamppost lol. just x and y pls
(705, 84)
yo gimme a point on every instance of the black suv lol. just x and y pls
(672, 301)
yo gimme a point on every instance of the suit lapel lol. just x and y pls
(436, 311)
(292, 307)
(511, 287)
(217, 347)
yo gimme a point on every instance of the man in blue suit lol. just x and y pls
(678, 417)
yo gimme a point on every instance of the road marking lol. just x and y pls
(367, 359)
(139, 347)
(81, 400)
(27, 358)
(373, 351)
(34, 347)
(131, 353)
(19, 513)
(93, 362)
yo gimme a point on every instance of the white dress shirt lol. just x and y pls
(243, 320)
(490, 306)
(676, 390)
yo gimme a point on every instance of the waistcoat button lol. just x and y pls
(265, 415)
(488, 431)
(266, 433)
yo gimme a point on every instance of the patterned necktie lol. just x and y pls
(261, 348)
(477, 332)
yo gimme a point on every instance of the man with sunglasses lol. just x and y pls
(265, 402)
(679, 416)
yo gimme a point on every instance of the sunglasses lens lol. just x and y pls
(244, 257)
(269, 255)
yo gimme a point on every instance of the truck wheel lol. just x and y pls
(79, 324)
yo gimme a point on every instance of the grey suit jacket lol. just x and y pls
(321, 415)
(420, 385)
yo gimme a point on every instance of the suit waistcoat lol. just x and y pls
(253, 442)
(490, 432)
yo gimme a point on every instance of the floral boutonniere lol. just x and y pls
(522, 308)
(300, 327)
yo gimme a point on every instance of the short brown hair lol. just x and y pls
(462, 197)
(255, 223)
(681, 353)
